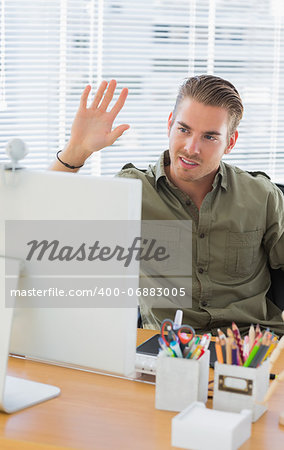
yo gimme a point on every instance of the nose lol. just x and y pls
(191, 145)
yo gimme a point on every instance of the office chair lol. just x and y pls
(276, 290)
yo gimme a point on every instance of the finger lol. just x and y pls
(117, 132)
(108, 95)
(84, 97)
(119, 103)
(99, 94)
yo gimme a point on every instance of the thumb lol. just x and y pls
(117, 132)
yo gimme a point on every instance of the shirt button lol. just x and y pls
(187, 202)
(202, 235)
(200, 270)
(204, 303)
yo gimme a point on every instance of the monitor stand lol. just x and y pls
(16, 393)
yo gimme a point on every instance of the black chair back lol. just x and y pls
(276, 291)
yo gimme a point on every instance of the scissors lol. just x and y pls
(183, 334)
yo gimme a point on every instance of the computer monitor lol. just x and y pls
(16, 393)
(97, 338)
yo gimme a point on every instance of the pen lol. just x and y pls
(251, 337)
(163, 346)
(257, 330)
(223, 348)
(221, 334)
(257, 339)
(223, 341)
(272, 345)
(246, 348)
(196, 352)
(205, 341)
(219, 352)
(234, 354)
(238, 340)
(252, 354)
(260, 354)
(176, 349)
(230, 334)
(229, 344)
(197, 339)
(201, 353)
(187, 348)
(171, 335)
(178, 319)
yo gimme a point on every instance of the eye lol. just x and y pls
(183, 130)
(209, 137)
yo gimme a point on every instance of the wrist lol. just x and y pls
(73, 156)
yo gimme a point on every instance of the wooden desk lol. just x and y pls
(102, 412)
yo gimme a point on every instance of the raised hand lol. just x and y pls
(92, 127)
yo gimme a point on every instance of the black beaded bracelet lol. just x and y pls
(66, 164)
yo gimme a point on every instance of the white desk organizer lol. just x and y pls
(199, 428)
(181, 381)
(238, 387)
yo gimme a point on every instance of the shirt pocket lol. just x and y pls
(241, 252)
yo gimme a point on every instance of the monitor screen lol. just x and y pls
(77, 218)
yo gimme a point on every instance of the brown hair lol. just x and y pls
(214, 91)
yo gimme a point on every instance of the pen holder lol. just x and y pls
(181, 381)
(238, 387)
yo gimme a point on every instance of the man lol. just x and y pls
(237, 217)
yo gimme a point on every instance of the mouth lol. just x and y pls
(189, 164)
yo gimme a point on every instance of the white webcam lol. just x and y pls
(16, 149)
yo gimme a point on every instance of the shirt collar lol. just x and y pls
(164, 160)
(159, 168)
(221, 176)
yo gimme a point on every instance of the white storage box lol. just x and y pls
(238, 387)
(200, 428)
(181, 381)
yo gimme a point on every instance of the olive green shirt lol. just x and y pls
(239, 227)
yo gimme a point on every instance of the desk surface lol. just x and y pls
(102, 412)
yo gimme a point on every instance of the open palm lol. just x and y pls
(92, 127)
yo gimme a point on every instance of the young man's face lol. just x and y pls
(198, 138)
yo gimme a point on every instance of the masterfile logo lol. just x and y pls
(97, 263)
(140, 249)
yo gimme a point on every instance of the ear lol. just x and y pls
(232, 142)
(170, 122)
